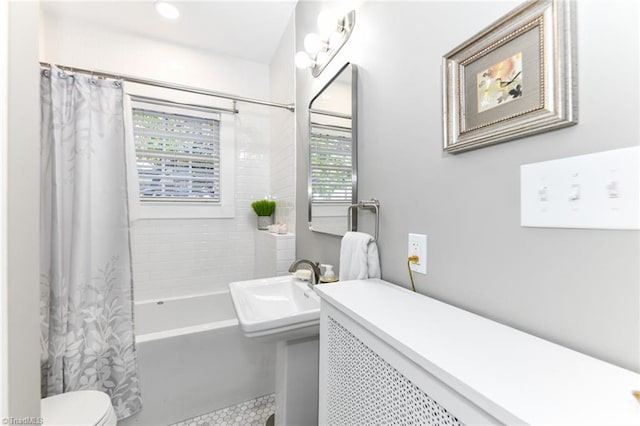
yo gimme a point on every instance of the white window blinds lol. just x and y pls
(177, 156)
(331, 166)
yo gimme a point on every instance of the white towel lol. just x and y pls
(358, 257)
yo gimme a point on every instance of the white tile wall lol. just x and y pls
(175, 257)
(285, 253)
(274, 253)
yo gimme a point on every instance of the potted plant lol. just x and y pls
(264, 209)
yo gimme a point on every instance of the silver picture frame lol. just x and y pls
(516, 78)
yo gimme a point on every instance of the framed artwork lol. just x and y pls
(514, 79)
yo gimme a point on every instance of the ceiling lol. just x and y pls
(246, 29)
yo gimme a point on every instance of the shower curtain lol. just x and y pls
(85, 258)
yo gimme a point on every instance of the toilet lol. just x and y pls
(86, 408)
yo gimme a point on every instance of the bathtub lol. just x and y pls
(194, 359)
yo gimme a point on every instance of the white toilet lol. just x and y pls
(86, 408)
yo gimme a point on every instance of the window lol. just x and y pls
(331, 166)
(180, 158)
(177, 156)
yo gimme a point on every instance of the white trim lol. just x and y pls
(4, 81)
(331, 209)
(186, 330)
(23, 211)
(172, 298)
(172, 209)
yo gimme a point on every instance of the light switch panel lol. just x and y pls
(598, 191)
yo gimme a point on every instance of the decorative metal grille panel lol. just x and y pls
(363, 389)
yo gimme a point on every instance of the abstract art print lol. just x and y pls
(500, 83)
(516, 78)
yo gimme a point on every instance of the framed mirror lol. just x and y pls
(333, 173)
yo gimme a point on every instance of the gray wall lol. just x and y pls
(578, 288)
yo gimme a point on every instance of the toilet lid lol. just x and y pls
(86, 408)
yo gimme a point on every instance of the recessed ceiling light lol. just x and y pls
(167, 10)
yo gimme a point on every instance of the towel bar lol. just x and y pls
(371, 204)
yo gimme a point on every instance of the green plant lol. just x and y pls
(264, 207)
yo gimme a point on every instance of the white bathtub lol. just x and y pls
(193, 359)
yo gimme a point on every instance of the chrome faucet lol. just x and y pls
(315, 267)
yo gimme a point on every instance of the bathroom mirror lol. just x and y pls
(332, 154)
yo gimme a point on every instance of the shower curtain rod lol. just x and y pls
(166, 85)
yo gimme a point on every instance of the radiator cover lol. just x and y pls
(363, 389)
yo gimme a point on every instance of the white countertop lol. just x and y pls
(510, 374)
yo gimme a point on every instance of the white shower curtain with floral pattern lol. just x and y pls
(86, 282)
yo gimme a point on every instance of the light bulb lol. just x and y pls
(313, 44)
(303, 60)
(322, 58)
(167, 10)
(327, 22)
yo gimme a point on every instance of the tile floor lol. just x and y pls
(249, 413)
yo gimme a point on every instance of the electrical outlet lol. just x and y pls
(418, 247)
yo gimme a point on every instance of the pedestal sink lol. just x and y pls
(274, 309)
(286, 311)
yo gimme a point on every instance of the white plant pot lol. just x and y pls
(264, 221)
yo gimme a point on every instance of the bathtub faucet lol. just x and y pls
(315, 268)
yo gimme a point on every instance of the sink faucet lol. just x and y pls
(315, 267)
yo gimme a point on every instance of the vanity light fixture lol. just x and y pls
(321, 47)
(328, 23)
(166, 9)
(304, 61)
(314, 44)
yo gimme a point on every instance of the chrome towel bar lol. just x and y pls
(371, 204)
